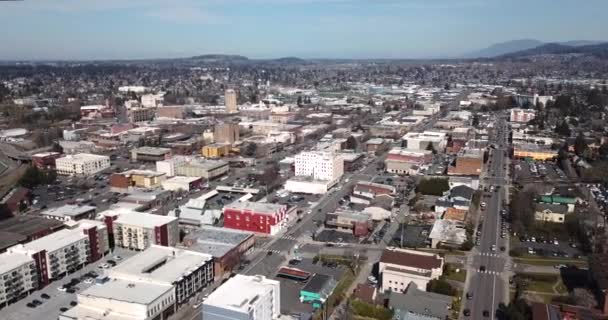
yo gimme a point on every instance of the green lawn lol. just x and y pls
(456, 276)
(550, 261)
(540, 286)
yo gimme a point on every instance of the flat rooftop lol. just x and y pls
(159, 263)
(10, 261)
(54, 241)
(83, 157)
(215, 241)
(146, 173)
(144, 220)
(29, 225)
(152, 151)
(182, 179)
(128, 291)
(68, 210)
(257, 207)
(207, 164)
(239, 292)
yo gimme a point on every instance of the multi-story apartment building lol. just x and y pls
(82, 164)
(141, 114)
(320, 165)
(256, 217)
(258, 298)
(137, 230)
(18, 277)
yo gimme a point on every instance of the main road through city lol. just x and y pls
(487, 277)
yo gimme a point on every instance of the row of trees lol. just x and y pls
(433, 186)
(34, 177)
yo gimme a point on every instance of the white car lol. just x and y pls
(88, 280)
(117, 258)
(62, 289)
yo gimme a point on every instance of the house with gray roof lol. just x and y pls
(416, 304)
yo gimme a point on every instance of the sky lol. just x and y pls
(141, 29)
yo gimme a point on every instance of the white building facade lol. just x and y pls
(320, 165)
(82, 164)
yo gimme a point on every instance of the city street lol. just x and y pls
(489, 263)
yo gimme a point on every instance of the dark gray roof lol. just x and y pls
(462, 191)
(420, 302)
(556, 208)
(317, 283)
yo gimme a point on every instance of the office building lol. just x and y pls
(258, 217)
(244, 298)
(427, 140)
(216, 150)
(319, 165)
(230, 101)
(150, 154)
(82, 164)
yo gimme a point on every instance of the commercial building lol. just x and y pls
(122, 299)
(82, 164)
(376, 145)
(45, 160)
(18, 277)
(399, 267)
(226, 133)
(522, 115)
(76, 147)
(137, 230)
(188, 271)
(448, 233)
(406, 161)
(182, 183)
(216, 150)
(266, 218)
(533, 151)
(244, 298)
(468, 163)
(427, 140)
(370, 189)
(193, 167)
(357, 223)
(150, 154)
(317, 290)
(227, 246)
(152, 100)
(69, 212)
(230, 101)
(147, 179)
(173, 112)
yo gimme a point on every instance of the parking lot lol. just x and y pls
(535, 170)
(55, 300)
(544, 247)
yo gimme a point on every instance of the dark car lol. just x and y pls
(111, 262)
(482, 268)
(36, 302)
(294, 262)
(70, 290)
(466, 312)
(45, 296)
(469, 296)
(30, 305)
(63, 309)
(486, 313)
(73, 303)
(269, 253)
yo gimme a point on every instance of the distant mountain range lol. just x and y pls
(508, 47)
(599, 50)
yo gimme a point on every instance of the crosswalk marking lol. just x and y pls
(489, 272)
(488, 254)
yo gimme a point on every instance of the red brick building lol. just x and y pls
(267, 218)
(468, 163)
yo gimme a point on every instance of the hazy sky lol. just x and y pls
(89, 29)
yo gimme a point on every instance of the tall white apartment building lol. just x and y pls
(230, 101)
(138, 231)
(18, 275)
(82, 164)
(244, 298)
(320, 165)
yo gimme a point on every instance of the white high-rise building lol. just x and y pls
(82, 164)
(244, 298)
(320, 165)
